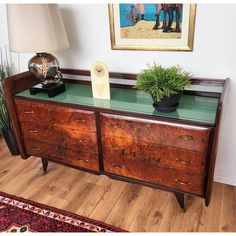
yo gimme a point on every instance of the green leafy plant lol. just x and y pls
(163, 82)
(6, 70)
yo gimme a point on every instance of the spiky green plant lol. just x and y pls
(163, 82)
(6, 70)
(4, 118)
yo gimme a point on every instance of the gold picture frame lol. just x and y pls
(184, 42)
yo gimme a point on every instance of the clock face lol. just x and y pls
(99, 70)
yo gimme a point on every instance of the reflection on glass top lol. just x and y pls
(207, 87)
(192, 108)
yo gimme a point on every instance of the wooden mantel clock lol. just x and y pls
(128, 140)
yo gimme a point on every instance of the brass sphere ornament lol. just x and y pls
(46, 67)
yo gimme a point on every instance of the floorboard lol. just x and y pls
(132, 207)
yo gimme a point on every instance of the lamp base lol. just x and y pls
(52, 91)
(44, 65)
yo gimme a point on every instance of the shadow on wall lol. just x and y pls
(65, 57)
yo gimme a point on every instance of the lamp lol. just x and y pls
(39, 28)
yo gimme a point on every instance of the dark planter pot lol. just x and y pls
(168, 104)
(10, 141)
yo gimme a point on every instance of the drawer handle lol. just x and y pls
(79, 120)
(33, 131)
(119, 148)
(36, 149)
(148, 125)
(186, 137)
(117, 126)
(82, 160)
(182, 183)
(29, 112)
(183, 161)
(117, 167)
(82, 141)
(154, 159)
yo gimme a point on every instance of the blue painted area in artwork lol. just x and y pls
(150, 14)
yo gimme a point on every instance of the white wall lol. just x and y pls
(20, 60)
(214, 56)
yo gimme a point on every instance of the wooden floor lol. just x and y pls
(128, 206)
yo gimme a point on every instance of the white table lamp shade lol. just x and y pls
(36, 28)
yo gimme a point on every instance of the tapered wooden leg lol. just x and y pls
(180, 199)
(45, 165)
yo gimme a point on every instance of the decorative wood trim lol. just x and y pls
(203, 94)
(215, 139)
(11, 86)
(117, 75)
(99, 141)
(133, 76)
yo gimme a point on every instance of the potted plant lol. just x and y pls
(6, 70)
(165, 85)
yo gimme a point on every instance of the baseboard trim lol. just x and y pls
(224, 180)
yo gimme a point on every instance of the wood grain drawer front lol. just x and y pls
(191, 183)
(64, 155)
(68, 118)
(59, 135)
(168, 157)
(168, 134)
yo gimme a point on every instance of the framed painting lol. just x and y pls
(167, 27)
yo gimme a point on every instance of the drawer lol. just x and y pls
(77, 158)
(168, 134)
(152, 154)
(142, 170)
(59, 135)
(68, 118)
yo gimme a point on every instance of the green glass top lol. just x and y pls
(192, 108)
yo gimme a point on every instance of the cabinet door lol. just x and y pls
(60, 133)
(167, 154)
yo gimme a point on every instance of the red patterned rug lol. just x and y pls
(21, 215)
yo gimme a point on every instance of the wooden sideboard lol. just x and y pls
(124, 138)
